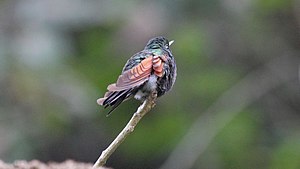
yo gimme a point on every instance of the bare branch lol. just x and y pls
(148, 104)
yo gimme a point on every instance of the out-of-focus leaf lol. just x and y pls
(287, 154)
(235, 142)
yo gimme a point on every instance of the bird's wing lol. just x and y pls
(133, 77)
(158, 64)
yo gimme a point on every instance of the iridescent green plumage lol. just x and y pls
(154, 68)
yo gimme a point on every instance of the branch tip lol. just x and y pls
(142, 110)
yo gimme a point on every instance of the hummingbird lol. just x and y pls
(152, 69)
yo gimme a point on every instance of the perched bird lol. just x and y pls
(152, 69)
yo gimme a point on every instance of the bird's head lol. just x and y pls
(159, 43)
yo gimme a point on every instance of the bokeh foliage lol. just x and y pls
(54, 67)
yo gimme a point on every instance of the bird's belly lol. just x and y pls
(149, 86)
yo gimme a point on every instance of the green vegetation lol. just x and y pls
(53, 70)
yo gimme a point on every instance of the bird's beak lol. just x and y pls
(170, 43)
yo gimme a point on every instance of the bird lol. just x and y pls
(152, 69)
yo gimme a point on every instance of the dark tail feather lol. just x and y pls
(112, 97)
(116, 104)
(115, 99)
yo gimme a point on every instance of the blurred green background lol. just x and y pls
(235, 104)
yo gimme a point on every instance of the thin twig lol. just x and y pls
(148, 104)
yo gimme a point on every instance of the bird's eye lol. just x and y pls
(167, 46)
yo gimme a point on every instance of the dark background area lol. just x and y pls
(235, 103)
